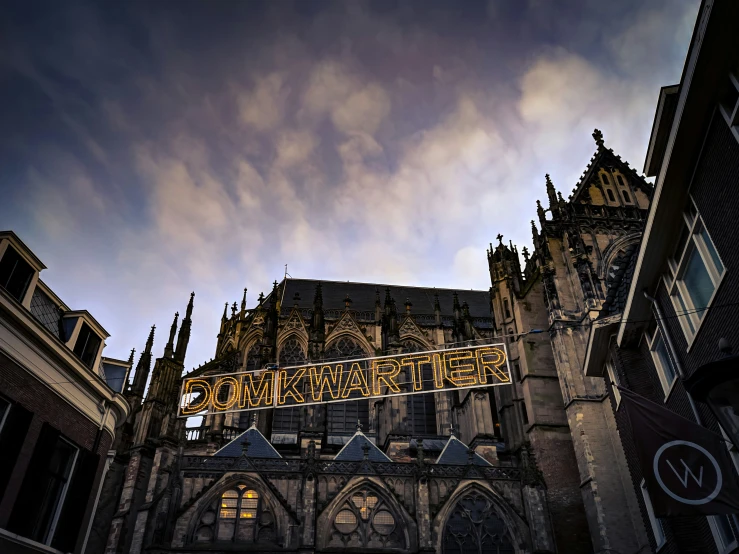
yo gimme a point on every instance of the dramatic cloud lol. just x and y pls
(149, 152)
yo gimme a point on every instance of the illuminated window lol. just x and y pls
(366, 520)
(343, 416)
(238, 516)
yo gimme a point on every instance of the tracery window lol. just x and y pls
(238, 515)
(343, 416)
(474, 528)
(366, 521)
(287, 420)
(421, 407)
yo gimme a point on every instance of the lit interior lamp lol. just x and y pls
(717, 385)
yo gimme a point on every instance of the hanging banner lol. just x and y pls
(341, 381)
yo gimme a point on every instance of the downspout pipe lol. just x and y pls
(672, 352)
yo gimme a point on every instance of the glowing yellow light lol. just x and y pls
(233, 393)
(331, 378)
(415, 363)
(290, 387)
(458, 372)
(190, 385)
(356, 381)
(385, 370)
(259, 396)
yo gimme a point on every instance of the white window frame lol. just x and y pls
(731, 113)
(667, 386)
(611, 372)
(62, 497)
(691, 317)
(722, 546)
(657, 530)
(4, 415)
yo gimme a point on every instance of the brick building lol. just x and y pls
(60, 405)
(674, 296)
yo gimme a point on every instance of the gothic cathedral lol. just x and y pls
(534, 466)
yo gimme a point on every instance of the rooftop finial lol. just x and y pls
(359, 426)
(254, 420)
(500, 238)
(598, 136)
(225, 312)
(347, 301)
(525, 252)
(233, 309)
(150, 340)
(408, 305)
(243, 301)
(130, 358)
(452, 430)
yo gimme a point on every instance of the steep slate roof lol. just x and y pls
(618, 282)
(259, 447)
(455, 453)
(353, 450)
(363, 297)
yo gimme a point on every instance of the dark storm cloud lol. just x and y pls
(151, 148)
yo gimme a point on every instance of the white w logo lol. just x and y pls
(684, 478)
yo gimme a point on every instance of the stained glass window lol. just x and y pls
(366, 521)
(287, 420)
(343, 416)
(421, 407)
(475, 528)
(238, 516)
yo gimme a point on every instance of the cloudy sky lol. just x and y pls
(153, 148)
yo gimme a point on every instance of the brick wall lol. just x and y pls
(47, 407)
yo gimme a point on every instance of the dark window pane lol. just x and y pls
(87, 345)
(15, 274)
(46, 312)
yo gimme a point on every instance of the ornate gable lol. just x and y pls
(294, 326)
(346, 324)
(589, 189)
(409, 329)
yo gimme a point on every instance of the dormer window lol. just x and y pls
(627, 197)
(15, 274)
(620, 180)
(604, 179)
(87, 345)
(610, 195)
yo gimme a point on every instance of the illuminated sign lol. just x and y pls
(340, 381)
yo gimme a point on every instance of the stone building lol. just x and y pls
(398, 474)
(60, 407)
(545, 310)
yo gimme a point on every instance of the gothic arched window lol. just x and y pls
(475, 528)
(287, 420)
(366, 521)
(237, 515)
(343, 416)
(421, 407)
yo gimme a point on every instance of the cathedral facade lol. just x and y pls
(533, 466)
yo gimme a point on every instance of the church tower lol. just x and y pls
(545, 311)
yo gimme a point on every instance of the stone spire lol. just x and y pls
(317, 326)
(541, 214)
(243, 304)
(551, 194)
(183, 338)
(169, 348)
(143, 368)
(225, 313)
(130, 358)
